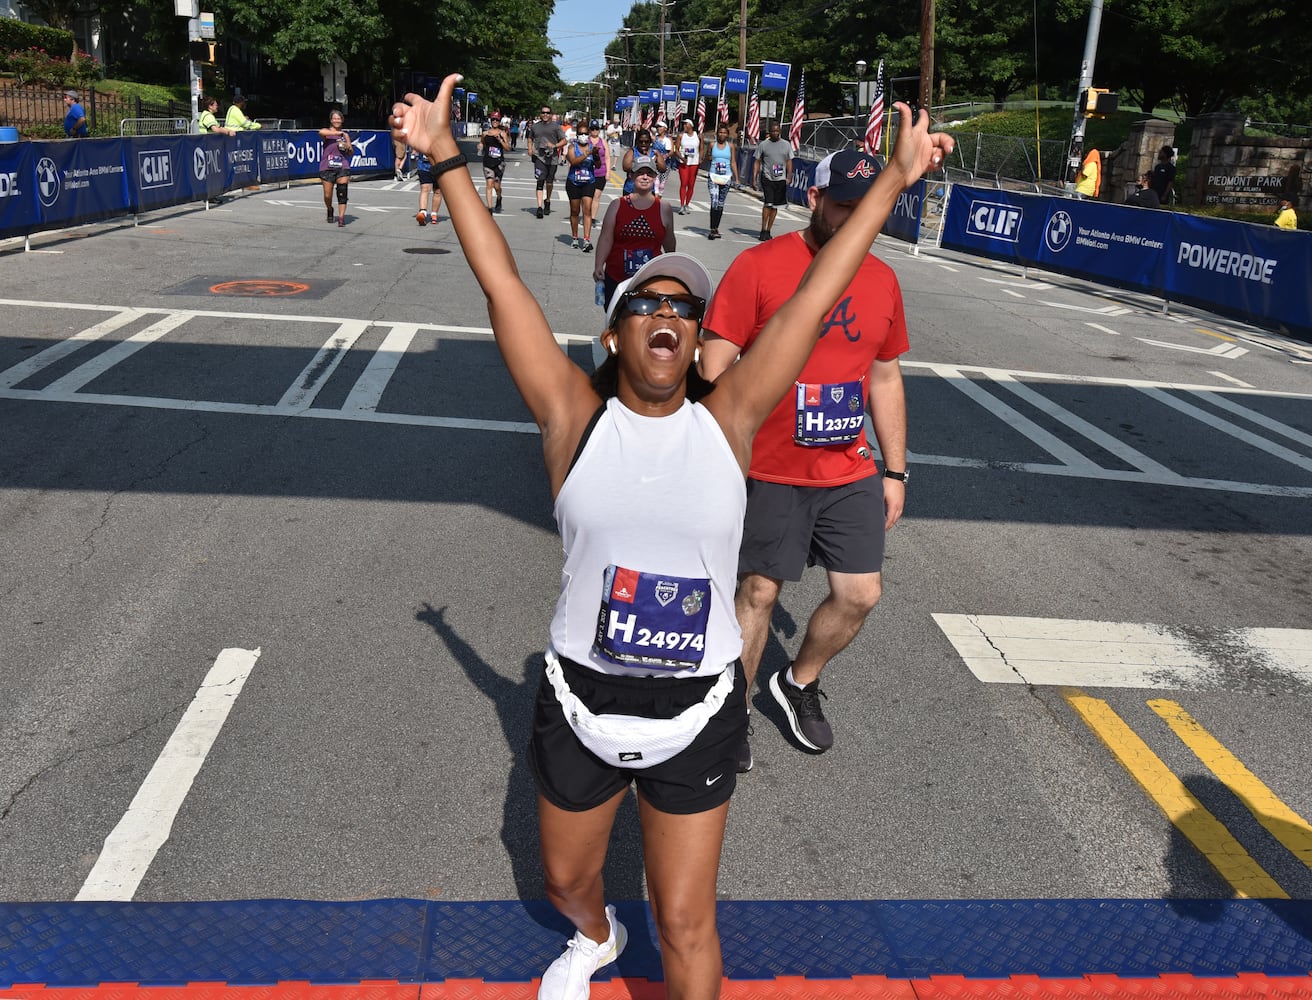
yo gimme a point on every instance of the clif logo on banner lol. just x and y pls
(994, 221)
(154, 168)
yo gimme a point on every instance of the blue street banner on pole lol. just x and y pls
(709, 86)
(774, 75)
(736, 81)
(688, 90)
(654, 95)
(669, 93)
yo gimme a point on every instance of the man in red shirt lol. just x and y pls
(814, 493)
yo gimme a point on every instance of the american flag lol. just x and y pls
(646, 118)
(753, 119)
(875, 124)
(723, 109)
(701, 113)
(799, 112)
(660, 114)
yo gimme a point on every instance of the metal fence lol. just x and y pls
(27, 107)
(154, 126)
(1001, 160)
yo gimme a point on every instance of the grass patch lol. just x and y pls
(152, 93)
(1056, 123)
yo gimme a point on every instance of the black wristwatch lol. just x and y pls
(901, 477)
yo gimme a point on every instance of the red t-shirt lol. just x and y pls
(865, 326)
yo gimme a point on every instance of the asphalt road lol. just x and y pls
(344, 480)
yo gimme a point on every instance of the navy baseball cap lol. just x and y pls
(847, 174)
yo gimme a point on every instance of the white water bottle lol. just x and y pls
(601, 294)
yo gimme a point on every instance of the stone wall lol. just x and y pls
(1227, 167)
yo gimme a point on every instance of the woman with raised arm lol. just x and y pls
(646, 464)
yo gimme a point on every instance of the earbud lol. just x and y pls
(696, 355)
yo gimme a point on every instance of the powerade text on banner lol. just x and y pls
(18, 214)
(688, 90)
(735, 81)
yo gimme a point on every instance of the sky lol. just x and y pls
(580, 29)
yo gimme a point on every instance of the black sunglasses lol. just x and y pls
(645, 303)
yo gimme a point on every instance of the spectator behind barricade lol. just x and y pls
(1143, 195)
(236, 117)
(1090, 180)
(1162, 177)
(75, 120)
(1286, 218)
(209, 119)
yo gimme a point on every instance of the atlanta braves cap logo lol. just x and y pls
(863, 168)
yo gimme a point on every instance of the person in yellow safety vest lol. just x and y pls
(1090, 182)
(237, 115)
(209, 121)
(1287, 218)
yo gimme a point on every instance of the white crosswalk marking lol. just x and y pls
(1074, 443)
(1074, 653)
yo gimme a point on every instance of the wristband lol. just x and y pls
(438, 169)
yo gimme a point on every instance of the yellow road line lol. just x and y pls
(1281, 822)
(1218, 336)
(1248, 879)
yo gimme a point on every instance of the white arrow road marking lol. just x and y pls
(1219, 351)
(145, 827)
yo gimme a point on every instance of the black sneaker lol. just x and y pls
(765, 235)
(745, 751)
(802, 707)
(547, 208)
(539, 211)
(498, 204)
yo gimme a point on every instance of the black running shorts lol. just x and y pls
(788, 528)
(697, 779)
(774, 193)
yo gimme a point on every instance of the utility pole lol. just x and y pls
(662, 55)
(742, 63)
(926, 53)
(1086, 81)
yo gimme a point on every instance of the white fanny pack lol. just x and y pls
(631, 740)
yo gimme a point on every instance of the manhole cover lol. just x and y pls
(425, 250)
(257, 288)
(260, 288)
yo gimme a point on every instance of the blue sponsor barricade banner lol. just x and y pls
(735, 81)
(18, 214)
(372, 153)
(904, 221)
(79, 181)
(243, 169)
(159, 171)
(709, 86)
(801, 181)
(273, 157)
(1256, 272)
(774, 75)
(688, 90)
(1252, 271)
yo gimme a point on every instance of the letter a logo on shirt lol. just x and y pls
(625, 586)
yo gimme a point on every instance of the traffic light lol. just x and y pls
(203, 52)
(1100, 102)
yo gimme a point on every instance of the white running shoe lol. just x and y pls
(568, 977)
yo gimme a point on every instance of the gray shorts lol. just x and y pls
(789, 528)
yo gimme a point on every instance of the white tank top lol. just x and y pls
(690, 146)
(651, 518)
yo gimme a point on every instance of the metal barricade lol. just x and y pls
(154, 126)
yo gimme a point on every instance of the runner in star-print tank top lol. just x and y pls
(639, 234)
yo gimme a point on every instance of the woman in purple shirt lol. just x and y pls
(335, 165)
